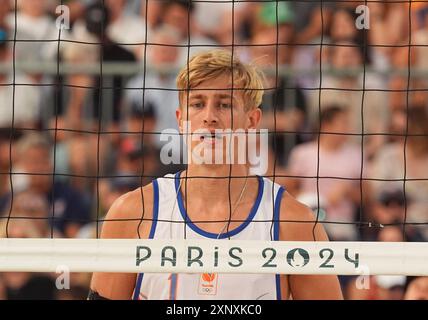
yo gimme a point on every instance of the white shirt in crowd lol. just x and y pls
(25, 108)
(119, 31)
(35, 28)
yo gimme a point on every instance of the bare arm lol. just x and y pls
(120, 286)
(305, 287)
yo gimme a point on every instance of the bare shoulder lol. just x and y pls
(298, 221)
(130, 215)
(299, 224)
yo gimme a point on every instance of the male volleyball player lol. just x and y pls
(212, 104)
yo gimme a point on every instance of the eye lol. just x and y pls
(196, 105)
(225, 105)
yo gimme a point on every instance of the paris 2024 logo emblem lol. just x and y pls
(298, 258)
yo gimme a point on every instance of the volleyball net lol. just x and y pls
(209, 256)
(87, 91)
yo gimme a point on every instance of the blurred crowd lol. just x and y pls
(361, 87)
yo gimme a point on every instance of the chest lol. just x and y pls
(207, 286)
(221, 218)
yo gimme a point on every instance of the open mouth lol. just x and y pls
(212, 137)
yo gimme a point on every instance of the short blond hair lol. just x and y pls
(215, 63)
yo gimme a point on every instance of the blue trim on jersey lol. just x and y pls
(155, 208)
(151, 235)
(138, 286)
(215, 235)
(173, 291)
(276, 217)
(276, 213)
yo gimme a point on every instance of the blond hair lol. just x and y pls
(215, 63)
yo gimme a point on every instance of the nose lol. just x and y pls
(210, 114)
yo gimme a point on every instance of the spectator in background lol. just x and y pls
(36, 25)
(111, 189)
(339, 158)
(214, 20)
(151, 11)
(122, 23)
(310, 22)
(36, 44)
(133, 158)
(94, 29)
(179, 15)
(5, 157)
(343, 25)
(25, 285)
(97, 21)
(88, 106)
(387, 287)
(8, 138)
(407, 91)
(18, 102)
(140, 120)
(389, 27)
(390, 234)
(404, 92)
(419, 40)
(4, 11)
(76, 292)
(141, 158)
(129, 174)
(388, 209)
(278, 19)
(284, 104)
(163, 102)
(417, 288)
(78, 7)
(412, 152)
(342, 28)
(29, 219)
(379, 287)
(31, 207)
(69, 208)
(346, 89)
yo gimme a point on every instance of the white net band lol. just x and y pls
(207, 256)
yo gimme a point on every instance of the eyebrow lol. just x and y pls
(196, 96)
(221, 96)
(225, 95)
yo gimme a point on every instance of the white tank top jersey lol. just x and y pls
(169, 205)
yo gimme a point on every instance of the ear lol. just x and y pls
(254, 118)
(179, 117)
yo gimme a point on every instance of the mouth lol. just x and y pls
(211, 138)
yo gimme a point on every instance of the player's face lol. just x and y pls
(213, 106)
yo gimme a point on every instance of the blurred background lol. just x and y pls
(81, 106)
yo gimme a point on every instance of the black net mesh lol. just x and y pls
(87, 89)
